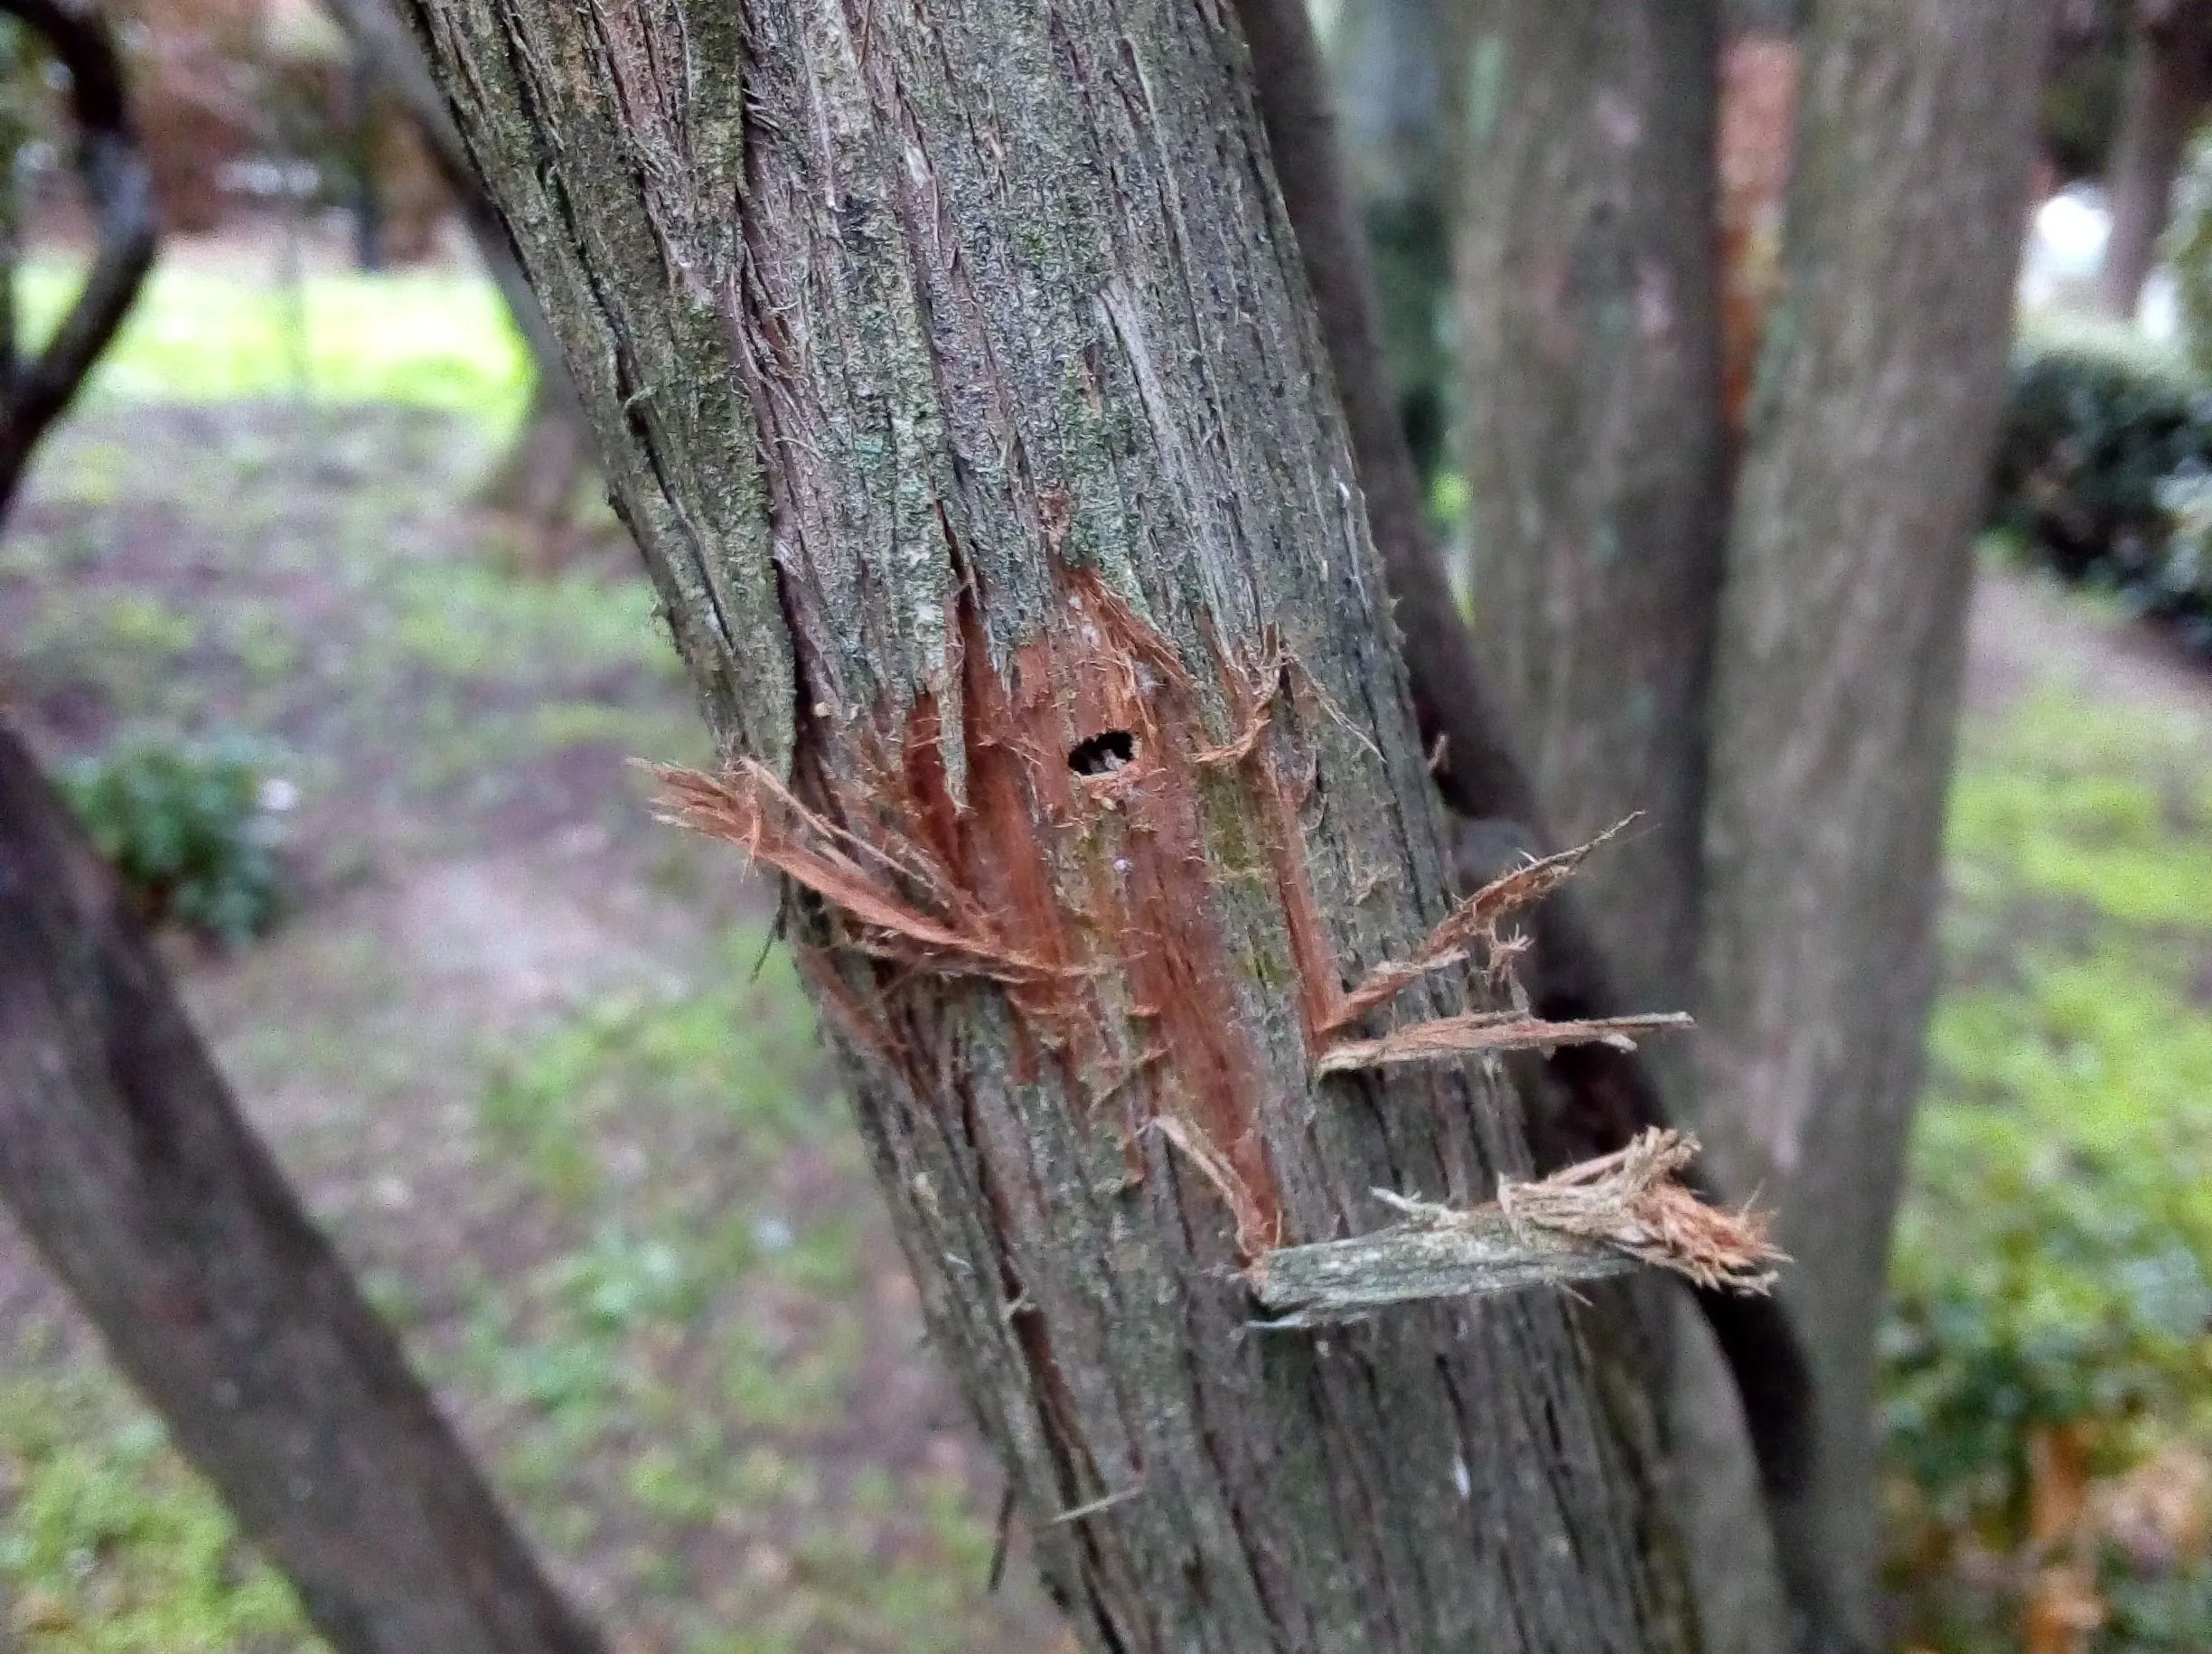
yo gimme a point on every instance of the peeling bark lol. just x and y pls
(1836, 679)
(961, 384)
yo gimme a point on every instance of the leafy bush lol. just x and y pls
(2048, 1359)
(189, 826)
(2103, 471)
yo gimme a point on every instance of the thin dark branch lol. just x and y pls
(1611, 1094)
(120, 186)
(384, 42)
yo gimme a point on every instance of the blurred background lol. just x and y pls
(315, 604)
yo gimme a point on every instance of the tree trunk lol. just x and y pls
(1596, 451)
(539, 477)
(2169, 81)
(961, 385)
(1836, 677)
(1596, 454)
(124, 1157)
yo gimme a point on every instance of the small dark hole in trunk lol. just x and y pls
(1102, 754)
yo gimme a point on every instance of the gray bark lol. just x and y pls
(128, 1163)
(959, 383)
(2168, 83)
(1590, 365)
(1596, 454)
(1836, 676)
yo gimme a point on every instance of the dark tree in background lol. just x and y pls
(2163, 93)
(1797, 761)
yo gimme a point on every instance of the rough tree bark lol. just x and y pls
(126, 1160)
(2168, 84)
(1836, 673)
(959, 383)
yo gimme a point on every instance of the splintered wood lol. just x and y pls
(1602, 1217)
(1100, 932)
(752, 809)
(1469, 936)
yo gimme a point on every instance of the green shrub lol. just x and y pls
(189, 827)
(2103, 471)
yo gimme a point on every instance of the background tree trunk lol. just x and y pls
(124, 1158)
(1836, 677)
(544, 469)
(2168, 84)
(1390, 66)
(992, 422)
(1596, 451)
(1591, 364)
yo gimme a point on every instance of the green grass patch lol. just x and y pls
(467, 619)
(111, 1544)
(435, 339)
(2053, 1266)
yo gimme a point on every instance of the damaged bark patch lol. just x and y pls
(1076, 868)
(1602, 1217)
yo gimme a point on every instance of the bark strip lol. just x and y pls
(1600, 1218)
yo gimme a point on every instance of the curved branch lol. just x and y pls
(120, 186)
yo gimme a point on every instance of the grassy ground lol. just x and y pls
(531, 1059)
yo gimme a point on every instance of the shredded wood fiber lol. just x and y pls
(1601, 1218)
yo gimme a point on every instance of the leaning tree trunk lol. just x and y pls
(2168, 83)
(125, 1160)
(1836, 678)
(1596, 449)
(959, 383)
